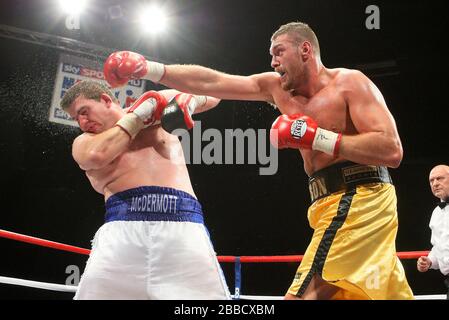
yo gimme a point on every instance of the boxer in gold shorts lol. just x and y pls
(353, 246)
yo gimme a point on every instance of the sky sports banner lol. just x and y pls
(74, 69)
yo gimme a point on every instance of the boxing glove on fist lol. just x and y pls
(144, 112)
(122, 66)
(302, 132)
(178, 113)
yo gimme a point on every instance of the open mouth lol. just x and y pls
(283, 74)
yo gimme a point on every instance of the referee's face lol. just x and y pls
(439, 182)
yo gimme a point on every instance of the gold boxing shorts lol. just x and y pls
(353, 244)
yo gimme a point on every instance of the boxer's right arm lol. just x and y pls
(124, 65)
(302, 132)
(95, 151)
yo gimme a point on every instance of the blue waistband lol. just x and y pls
(151, 203)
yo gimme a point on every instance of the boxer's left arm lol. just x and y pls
(377, 141)
(210, 102)
(179, 111)
(122, 66)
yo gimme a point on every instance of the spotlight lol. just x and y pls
(72, 7)
(153, 19)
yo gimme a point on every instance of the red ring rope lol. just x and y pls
(247, 259)
(42, 242)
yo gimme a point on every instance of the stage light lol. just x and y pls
(153, 20)
(72, 7)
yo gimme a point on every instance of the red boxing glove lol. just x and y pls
(302, 132)
(148, 107)
(178, 113)
(145, 111)
(122, 66)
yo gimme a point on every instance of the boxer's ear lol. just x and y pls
(305, 49)
(107, 99)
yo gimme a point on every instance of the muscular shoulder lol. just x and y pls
(80, 141)
(82, 137)
(353, 84)
(351, 79)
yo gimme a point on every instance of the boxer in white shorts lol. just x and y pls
(154, 244)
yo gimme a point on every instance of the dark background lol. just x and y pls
(45, 194)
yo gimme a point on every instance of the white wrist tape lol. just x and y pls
(197, 102)
(131, 123)
(325, 141)
(146, 109)
(156, 71)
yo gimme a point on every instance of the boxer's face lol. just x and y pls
(439, 182)
(287, 61)
(92, 116)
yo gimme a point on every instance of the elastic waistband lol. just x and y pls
(153, 203)
(344, 176)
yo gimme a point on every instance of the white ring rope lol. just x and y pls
(421, 297)
(37, 284)
(249, 297)
(431, 297)
(67, 288)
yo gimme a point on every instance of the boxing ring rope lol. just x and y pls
(38, 284)
(42, 242)
(237, 260)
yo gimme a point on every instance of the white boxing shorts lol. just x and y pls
(154, 245)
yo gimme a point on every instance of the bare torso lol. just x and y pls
(328, 107)
(154, 158)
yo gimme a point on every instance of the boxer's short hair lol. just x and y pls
(300, 32)
(88, 89)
